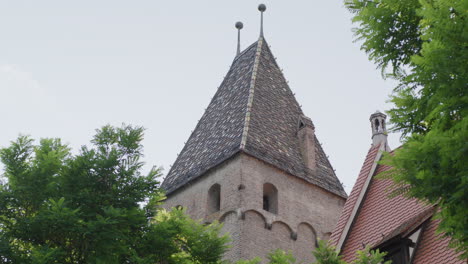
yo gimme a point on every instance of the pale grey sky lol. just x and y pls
(69, 67)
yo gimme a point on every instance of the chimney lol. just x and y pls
(306, 136)
(379, 129)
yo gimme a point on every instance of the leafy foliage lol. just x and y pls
(326, 254)
(56, 207)
(281, 257)
(256, 260)
(423, 44)
(368, 256)
(180, 239)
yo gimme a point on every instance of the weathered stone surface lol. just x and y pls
(252, 134)
(304, 210)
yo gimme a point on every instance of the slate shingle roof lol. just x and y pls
(254, 111)
(380, 218)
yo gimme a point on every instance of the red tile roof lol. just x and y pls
(409, 226)
(433, 248)
(380, 217)
(349, 205)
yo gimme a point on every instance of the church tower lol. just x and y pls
(254, 163)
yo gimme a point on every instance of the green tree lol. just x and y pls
(93, 207)
(275, 257)
(326, 254)
(281, 257)
(368, 256)
(423, 44)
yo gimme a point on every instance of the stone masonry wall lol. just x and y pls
(305, 212)
(194, 197)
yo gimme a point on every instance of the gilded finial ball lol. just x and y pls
(239, 25)
(261, 7)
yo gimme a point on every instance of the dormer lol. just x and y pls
(306, 135)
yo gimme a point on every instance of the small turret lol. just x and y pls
(379, 129)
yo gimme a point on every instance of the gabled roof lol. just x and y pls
(255, 112)
(377, 218)
(408, 226)
(357, 194)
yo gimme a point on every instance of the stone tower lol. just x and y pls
(254, 163)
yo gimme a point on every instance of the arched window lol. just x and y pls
(270, 198)
(377, 125)
(214, 198)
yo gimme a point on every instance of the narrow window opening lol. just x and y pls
(214, 199)
(377, 129)
(270, 198)
(266, 203)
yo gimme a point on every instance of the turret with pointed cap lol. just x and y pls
(254, 163)
(379, 129)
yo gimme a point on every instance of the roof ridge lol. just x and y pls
(362, 192)
(407, 226)
(244, 51)
(198, 122)
(184, 169)
(245, 130)
(253, 111)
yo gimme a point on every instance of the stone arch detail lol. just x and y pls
(226, 214)
(257, 213)
(306, 241)
(307, 225)
(291, 233)
(281, 236)
(282, 223)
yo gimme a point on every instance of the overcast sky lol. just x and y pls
(69, 67)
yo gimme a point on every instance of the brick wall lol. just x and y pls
(305, 211)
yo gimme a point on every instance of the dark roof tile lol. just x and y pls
(253, 111)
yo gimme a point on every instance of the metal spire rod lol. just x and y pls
(239, 26)
(262, 9)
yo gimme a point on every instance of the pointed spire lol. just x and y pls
(239, 120)
(261, 8)
(239, 26)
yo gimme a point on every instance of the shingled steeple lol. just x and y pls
(254, 163)
(255, 112)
